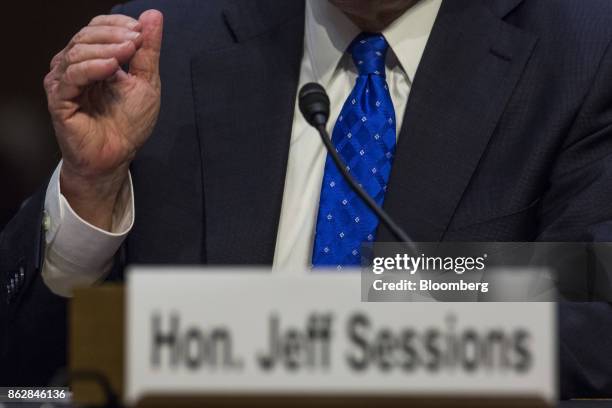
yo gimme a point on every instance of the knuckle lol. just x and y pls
(51, 87)
(73, 54)
(78, 37)
(82, 35)
(97, 19)
(55, 60)
(47, 81)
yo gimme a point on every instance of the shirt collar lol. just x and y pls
(329, 32)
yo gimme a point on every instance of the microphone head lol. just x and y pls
(314, 104)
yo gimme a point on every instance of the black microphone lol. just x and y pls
(314, 105)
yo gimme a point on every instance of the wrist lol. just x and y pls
(93, 198)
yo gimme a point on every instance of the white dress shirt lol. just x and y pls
(79, 254)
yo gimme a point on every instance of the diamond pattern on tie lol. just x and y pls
(364, 136)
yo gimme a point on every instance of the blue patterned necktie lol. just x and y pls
(364, 136)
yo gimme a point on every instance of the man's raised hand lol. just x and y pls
(102, 114)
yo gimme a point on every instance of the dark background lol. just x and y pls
(31, 33)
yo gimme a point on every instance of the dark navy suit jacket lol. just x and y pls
(507, 136)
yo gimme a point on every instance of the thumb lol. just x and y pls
(145, 63)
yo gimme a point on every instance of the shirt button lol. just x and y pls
(46, 222)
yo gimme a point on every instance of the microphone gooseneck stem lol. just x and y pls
(399, 233)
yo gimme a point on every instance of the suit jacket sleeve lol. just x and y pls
(32, 319)
(578, 207)
(21, 250)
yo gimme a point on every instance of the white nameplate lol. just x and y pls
(235, 331)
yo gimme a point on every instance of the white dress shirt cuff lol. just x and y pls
(77, 253)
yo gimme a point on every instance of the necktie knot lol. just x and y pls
(368, 51)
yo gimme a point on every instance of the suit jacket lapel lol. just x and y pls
(244, 101)
(470, 66)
